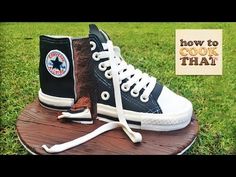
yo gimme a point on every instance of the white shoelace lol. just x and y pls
(134, 136)
(126, 71)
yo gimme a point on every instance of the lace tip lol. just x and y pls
(59, 117)
(138, 137)
(46, 148)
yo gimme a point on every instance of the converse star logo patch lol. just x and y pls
(57, 63)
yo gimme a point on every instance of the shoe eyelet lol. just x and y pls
(144, 99)
(93, 45)
(125, 87)
(108, 74)
(105, 95)
(96, 56)
(134, 93)
(101, 67)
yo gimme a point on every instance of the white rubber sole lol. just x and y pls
(59, 104)
(137, 120)
(83, 122)
(53, 101)
(147, 121)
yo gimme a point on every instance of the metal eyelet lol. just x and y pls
(144, 99)
(96, 56)
(108, 74)
(134, 93)
(105, 95)
(101, 67)
(93, 45)
(125, 87)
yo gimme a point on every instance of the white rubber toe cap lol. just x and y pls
(173, 104)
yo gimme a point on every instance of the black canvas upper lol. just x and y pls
(50, 85)
(104, 84)
(64, 87)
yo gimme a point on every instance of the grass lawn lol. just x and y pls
(148, 46)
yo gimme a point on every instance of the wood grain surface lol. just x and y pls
(37, 126)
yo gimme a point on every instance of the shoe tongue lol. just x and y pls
(101, 35)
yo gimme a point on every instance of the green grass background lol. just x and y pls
(148, 46)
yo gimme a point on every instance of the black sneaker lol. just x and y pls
(147, 104)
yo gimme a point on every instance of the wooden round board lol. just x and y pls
(37, 126)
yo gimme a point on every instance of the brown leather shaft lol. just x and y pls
(84, 76)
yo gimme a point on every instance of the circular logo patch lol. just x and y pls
(57, 63)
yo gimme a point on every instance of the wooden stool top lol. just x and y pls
(37, 126)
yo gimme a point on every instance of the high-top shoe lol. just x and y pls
(67, 77)
(67, 81)
(147, 104)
